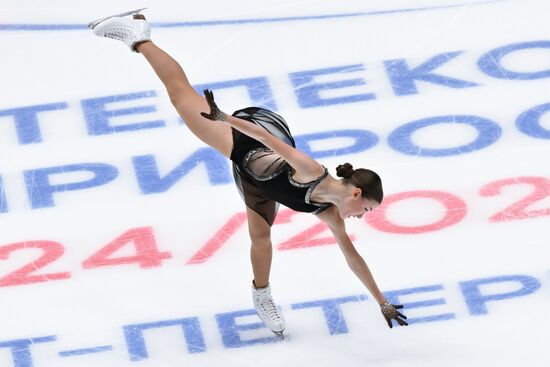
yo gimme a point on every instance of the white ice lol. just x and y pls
(486, 282)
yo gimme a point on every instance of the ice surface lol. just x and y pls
(461, 240)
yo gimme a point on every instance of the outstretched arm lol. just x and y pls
(356, 262)
(307, 167)
(358, 265)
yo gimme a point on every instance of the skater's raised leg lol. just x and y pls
(186, 100)
(134, 31)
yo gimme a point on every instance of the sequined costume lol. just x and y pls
(263, 178)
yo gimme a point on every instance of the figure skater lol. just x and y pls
(267, 168)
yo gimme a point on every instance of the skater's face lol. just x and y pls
(355, 205)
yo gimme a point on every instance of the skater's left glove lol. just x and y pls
(390, 312)
(215, 113)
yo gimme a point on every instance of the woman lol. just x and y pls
(268, 169)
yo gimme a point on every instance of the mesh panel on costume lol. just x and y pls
(263, 164)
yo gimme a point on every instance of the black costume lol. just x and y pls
(263, 178)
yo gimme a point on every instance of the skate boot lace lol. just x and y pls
(119, 33)
(269, 309)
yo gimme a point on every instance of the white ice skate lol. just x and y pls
(267, 310)
(121, 27)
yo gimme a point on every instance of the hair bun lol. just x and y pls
(344, 170)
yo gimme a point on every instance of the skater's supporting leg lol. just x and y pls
(186, 100)
(261, 248)
(261, 254)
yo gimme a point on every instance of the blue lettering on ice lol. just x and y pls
(393, 297)
(230, 330)
(191, 328)
(334, 317)
(362, 140)
(20, 349)
(40, 190)
(529, 122)
(403, 78)
(98, 117)
(308, 92)
(3, 198)
(491, 62)
(79, 352)
(401, 138)
(26, 120)
(476, 300)
(150, 181)
(259, 90)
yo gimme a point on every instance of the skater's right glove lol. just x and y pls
(390, 312)
(215, 113)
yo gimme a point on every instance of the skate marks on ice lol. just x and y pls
(207, 23)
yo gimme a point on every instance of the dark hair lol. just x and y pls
(368, 181)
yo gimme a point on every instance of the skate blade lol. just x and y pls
(279, 334)
(94, 23)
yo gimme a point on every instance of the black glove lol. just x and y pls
(215, 113)
(389, 312)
